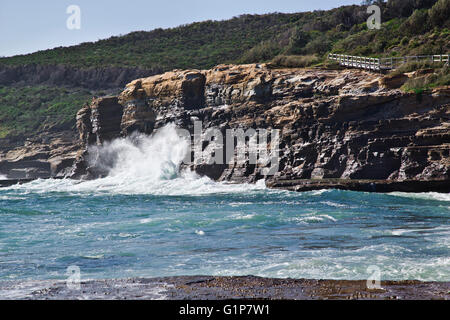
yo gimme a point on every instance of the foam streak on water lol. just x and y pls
(148, 220)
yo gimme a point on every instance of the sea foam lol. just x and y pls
(142, 164)
(424, 195)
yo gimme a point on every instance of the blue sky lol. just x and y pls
(28, 26)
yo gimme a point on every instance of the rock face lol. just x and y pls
(64, 75)
(105, 120)
(100, 121)
(393, 81)
(345, 125)
(346, 129)
(53, 156)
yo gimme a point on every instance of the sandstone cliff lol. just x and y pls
(345, 129)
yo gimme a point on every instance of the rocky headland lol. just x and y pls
(346, 129)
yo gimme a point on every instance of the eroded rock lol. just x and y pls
(334, 124)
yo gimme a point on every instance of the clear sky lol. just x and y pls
(28, 26)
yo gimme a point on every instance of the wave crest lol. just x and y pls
(142, 164)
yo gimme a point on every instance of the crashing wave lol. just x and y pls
(142, 164)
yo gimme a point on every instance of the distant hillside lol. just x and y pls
(291, 40)
(198, 45)
(256, 38)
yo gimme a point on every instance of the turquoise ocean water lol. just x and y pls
(146, 219)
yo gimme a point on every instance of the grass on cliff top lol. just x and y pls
(436, 78)
(29, 110)
(425, 75)
(409, 27)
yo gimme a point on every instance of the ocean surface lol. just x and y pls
(148, 219)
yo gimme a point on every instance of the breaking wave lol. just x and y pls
(142, 164)
(424, 195)
(144, 219)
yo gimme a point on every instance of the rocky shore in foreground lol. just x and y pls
(225, 288)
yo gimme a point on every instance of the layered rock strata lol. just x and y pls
(51, 155)
(349, 128)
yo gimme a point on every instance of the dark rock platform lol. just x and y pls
(383, 186)
(224, 288)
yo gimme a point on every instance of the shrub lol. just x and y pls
(404, 8)
(440, 14)
(264, 51)
(320, 46)
(417, 23)
(298, 41)
(293, 61)
(404, 41)
(413, 66)
(421, 83)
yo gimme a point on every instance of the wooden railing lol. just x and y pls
(380, 64)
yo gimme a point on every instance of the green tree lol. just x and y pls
(440, 14)
(299, 39)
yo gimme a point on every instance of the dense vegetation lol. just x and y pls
(410, 27)
(422, 31)
(198, 45)
(33, 109)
